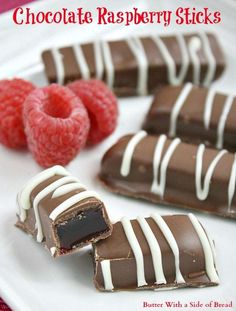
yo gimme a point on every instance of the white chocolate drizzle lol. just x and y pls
(24, 195)
(194, 46)
(172, 243)
(70, 202)
(208, 108)
(210, 58)
(67, 188)
(53, 250)
(81, 61)
(161, 166)
(155, 250)
(170, 62)
(212, 246)
(231, 188)
(222, 122)
(223, 118)
(203, 191)
(134, 244)
(138, 51)
(41, 195)
(209, 258)
(186, 91)
(60, 72)
(98, 60)
(64, 185)
(103, 58)
(110, 71)
(106, 272)
(177, 107)
(188, 52)
(128, 153)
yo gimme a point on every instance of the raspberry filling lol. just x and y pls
(80, 228)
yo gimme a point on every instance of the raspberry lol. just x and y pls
(56, 125)
(102, 107)
(12, 96)
(3, 306)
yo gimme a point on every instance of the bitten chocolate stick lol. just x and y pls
(172, 172)
(137, 66)
(158, 252)
(195, 115)
(56, 209)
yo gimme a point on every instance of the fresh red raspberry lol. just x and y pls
(102, 107)
(56, 125)
(3, 306)
(12, 96)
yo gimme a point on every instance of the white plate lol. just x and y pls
(29, 278)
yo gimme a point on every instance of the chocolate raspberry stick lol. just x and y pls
(155, 253)
(137, 66)
(195, 115)
(57, 210)
(168, 171)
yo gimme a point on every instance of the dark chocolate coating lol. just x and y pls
(126, 65)
(180, 189)
(116, 248)
(190, 123)
(81, 224)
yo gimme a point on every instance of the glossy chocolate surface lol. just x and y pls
(117, 250)
(190, 123)
(80, 224)
(125, 63)
(180, 186)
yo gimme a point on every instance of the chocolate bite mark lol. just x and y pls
(81, 228)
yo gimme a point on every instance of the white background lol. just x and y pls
(29, 278)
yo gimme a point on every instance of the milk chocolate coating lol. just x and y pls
(126, 65)
(190, 123)
(117, 250)
(180, 188)
(81, 224)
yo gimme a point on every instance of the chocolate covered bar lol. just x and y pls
(136, 65)
(56, 209)
(158, 252)
(169, 171)
(195, 115)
